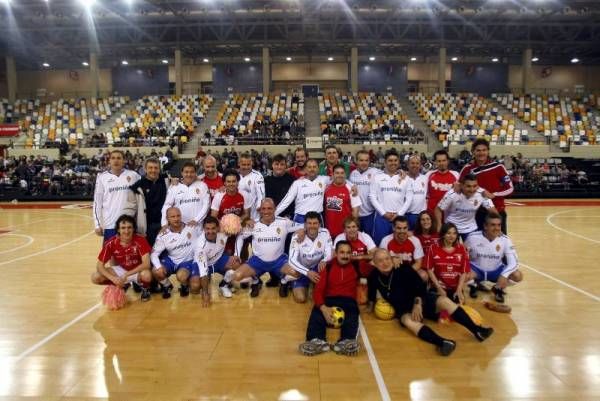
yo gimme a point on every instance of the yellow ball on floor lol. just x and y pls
(473, 314)
(383, 310)
(338, 317)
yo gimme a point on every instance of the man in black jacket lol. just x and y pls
(404, 289)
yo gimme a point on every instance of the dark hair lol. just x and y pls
(117, 151)
(399, 219)
(330, 146)
(337, 166)
(444, 230)
(312, 160)
(362, 152)
(152, 160)
(188, 164)
(468, 177)
(478, 142)
(278, 158)
(312, 215)
(210, 220)
(492, 216)
(340, 243)
(391, 152)
(229, 172)
(125, 218)
(301, 149)
(441, 152)
(419, 228)
(246, 155)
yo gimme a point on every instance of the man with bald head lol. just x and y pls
(211, 177)
(268, 243)
(404, 289)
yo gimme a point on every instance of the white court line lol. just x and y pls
(385, 395)
(549, 221)
(49, 337)
(571, 286)
(29, 242)
(513, 203)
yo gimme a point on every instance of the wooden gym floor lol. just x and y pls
(58, 343)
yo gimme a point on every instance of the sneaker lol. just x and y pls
(184, 290)
(126, 287)
(498, 294)
(447, 347)
(473, 291)
(313, 347)
(284, 289)
(225, 291)
(244, 286)
(166, 291)
(483, 333)
(136, 287)
(346, 347)
(273, 281)
(155, 287)
(255, 289)
(145, 297)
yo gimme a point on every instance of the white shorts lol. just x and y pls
(120, 272)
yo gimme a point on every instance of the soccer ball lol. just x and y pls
(338, 317)
(383, 310)
(231, 224)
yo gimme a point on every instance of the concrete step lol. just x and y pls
(433, 142)
(312, 125)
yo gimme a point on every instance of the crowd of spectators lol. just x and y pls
(284, 130)
(153, 136)
(338, 129)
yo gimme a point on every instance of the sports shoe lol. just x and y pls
(244, 286)
(166, 290)
(473, 290)
(136, 287)
(273, 281)
(346, 347)
(255, 289)
(184, 290)
(225, 291)
(447, 347)
(145, 297)
(498, 294)
(126, 287)
(313, 347)
(483, 333)
(155, 287)
(284, 289)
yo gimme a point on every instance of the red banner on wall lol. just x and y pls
(9, 129)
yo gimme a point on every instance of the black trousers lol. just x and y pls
(152, 232)
(317, 325)
(480, 219)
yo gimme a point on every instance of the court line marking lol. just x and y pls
(549, 221)
(55, 333)
(30, 241)
(513, 203)
(383, 391)
(571, 286)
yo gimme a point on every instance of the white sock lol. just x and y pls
(287, 279)
(255, 280)
(247, 280)
(166, 282)
(229, 276)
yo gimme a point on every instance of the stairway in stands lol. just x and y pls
(433, 142)
(107, 125)
(211, 119)
(312, 124)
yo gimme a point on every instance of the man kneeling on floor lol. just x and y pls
(404, 289)
(336, 288)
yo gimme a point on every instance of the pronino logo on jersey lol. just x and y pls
(441, 186)
(121, 188)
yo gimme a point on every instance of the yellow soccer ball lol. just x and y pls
(383, 310)
(338, 317)
(473, 314)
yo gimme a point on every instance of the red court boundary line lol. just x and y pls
(33, 206)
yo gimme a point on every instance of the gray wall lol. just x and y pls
(140, 81)
(377, 77)
(245, 77)
(483, 79)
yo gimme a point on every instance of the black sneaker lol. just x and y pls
(473, 291)
(166, 291)
(483, 333)
(255, 289)
(273, 281)
(499, 294)
(155, 287)
(447, 347)
(184, 291)
(136, 287)
(244, 286)
(284, 289)
(145, 297)
(126, 287)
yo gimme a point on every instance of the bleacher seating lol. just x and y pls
(458, 118)
(564, 120)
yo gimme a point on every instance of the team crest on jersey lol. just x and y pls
(128, 179)
(189, 235)
(459, 257)
(475, 203)
(198, 191)
(278, 230)
(498, 248)
(319, 244)
(422, 184)
(369, 176)
(222, 242)
(320, 185)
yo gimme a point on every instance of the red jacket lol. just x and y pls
(337, 281)
(493, 177)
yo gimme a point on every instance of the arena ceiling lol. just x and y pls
(62, 32)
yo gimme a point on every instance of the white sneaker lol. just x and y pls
(229, 275)
(225, 291)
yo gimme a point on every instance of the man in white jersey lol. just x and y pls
(460, 208)
(362, 177)
(252, 184)
(112, 197)
(493, 257)
(191, 196)
(418, 189)
(308, 256)
(389, 195)
(177, 243)
(217, 260)
(268, 243)
(307, 192)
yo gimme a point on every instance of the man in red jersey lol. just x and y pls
(336, 288)
(440, 180)
(404, 249)
(492, 177)
(301, 156)
(339, 202)
(362, 245)
(232, 200)
(211, 176)
(129, 257)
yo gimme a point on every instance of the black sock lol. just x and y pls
(427, 334)
(461, 317)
